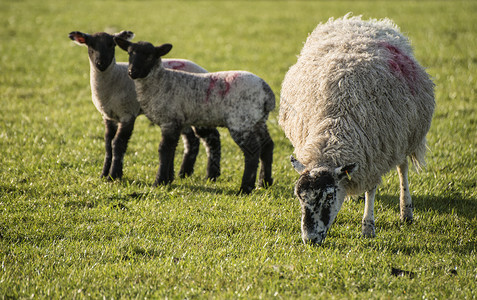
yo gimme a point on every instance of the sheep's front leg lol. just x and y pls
(191, 149)
(167, 149)
(110, 127)
(405, 201)
(120, 144)
(211, 139)
(368, 228)
(248, 143)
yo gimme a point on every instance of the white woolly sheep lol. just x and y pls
(355, 105)
(238, 100)
(114, 96)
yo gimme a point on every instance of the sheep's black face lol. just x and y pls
(317, 191)
(321, 192)
(143, 56)
(101, 50)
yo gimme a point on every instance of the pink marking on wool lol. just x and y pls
(402, 65)
(213, 81)
(226, 83)
(175, 65)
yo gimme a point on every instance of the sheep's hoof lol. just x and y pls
(407, 219)
(266, 183)
(406, 214)
(368, 229)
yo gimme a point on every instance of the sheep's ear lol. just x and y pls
(122, 43)
(163, 49)
(79, 37)
(346, 171)
(299, 167)
(126, 35)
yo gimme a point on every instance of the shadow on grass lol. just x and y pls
(452, 204)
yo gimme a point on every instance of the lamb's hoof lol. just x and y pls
(245, 190)
(266, 183)
(407, 219)
(368, 229)
(406, 214)
(161, 182)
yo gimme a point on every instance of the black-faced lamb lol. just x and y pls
(237, 100)
(114, 96)
(355, 105)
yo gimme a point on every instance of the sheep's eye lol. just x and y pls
(329, 197)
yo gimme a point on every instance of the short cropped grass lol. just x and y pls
(64, 233)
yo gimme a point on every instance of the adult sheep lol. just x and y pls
(355, 105)
(238, 100)
(114, 96)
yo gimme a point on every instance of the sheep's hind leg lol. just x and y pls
(167, 148)
(266, 157)
(211, 139)
(120, 144)
(248, 143)
(191, 149)
(405, 201)
(368, 228)
(110, 131)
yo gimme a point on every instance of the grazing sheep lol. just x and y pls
(237, 100)
(114, 96)
(356, 104)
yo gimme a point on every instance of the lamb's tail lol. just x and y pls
(270, 97)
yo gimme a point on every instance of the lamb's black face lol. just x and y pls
(101, 50)
(142, 58)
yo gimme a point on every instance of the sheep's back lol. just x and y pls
(356, 94)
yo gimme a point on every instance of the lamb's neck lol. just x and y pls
(102, 81)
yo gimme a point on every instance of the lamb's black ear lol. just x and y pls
(163, 49)
(122, 43)
(79, 38)
(125, 34)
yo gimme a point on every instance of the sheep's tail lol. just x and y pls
(270, 97)
(418, 157)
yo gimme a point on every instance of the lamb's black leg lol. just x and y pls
(167, 148)
(110, 131)
(250, 146)
(191, 149)
(266, 157)
(211, 139)
(120, 144)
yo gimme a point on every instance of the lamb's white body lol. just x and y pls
(237, 100)
(358, 95)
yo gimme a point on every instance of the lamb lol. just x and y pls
(237, 100)
(356, 104)
(114, 96)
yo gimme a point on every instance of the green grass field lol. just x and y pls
(64, 233)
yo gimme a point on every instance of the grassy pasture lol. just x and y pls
(64, 233)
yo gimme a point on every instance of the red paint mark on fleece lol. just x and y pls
(175, 65)
(225, 84)
(402, 65)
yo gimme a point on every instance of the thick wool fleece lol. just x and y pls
(357, 95)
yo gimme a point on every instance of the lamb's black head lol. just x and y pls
(143, 56)
(321, 193)
(100, 46)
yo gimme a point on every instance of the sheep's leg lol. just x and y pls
(120, 144)
(167, 149)
(266, 157)
(191, 149)
(405, 201)
(368, 228)
(211, 139)
(110, 131)
(250, 146)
